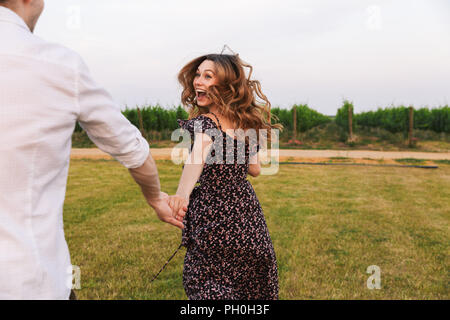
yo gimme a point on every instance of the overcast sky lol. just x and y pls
(375, 53)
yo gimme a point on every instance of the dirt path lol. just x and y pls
(355, 156)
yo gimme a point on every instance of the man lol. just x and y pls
(44, 89)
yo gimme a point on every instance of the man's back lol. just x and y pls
(44, 90)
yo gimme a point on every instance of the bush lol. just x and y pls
(307, 119)
(396, 119)
(158, 122)
(342, 116)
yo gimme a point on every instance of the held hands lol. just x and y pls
(179, 205)
(166, 212)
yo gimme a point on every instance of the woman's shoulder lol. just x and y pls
(207, 115)
(201, 117)
(204, 116)
(203, 121)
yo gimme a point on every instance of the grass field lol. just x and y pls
(328, 225)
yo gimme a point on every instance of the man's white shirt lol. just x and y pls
(44, 89)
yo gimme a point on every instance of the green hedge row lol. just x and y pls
(341, 118)
(307, 118)
(396, 119)
(393, 119)
(156, 118)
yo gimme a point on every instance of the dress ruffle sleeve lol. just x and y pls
(200, 124)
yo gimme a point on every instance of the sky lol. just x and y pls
(374, 53)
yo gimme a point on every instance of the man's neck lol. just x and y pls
(20, 12)
(9, 6)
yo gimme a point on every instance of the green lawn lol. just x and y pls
(328, 224)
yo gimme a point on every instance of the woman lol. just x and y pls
(229, 251)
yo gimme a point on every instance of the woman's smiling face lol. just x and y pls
(204, 78)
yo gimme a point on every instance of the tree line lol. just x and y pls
(394, 119)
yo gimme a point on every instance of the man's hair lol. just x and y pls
(7, 3)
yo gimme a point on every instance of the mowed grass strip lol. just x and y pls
(328, 225)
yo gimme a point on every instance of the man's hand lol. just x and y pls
(146, 176)
(165, 213)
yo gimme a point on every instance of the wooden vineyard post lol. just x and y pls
(411, 125)
(269, 120)
(141, 124)
(294, 119)
(350, 123)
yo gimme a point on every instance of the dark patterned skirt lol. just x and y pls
(229, 251)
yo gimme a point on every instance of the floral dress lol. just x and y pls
(229, 251)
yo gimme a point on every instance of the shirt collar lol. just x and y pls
(7, 15)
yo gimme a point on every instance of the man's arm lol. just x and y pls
(105, 124)
(108, 128)
(146, 176)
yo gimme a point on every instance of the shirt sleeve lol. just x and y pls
(105, 124)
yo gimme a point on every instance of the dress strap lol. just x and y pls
(179, 247)
(220, 127)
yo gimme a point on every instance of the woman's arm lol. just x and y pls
(194, 165)
(193, 168)
(254, 167)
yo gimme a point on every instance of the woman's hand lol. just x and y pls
(179, 205)
(165, 212)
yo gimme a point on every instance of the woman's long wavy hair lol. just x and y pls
(235, 95)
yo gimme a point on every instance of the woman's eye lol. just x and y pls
(208, 77)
